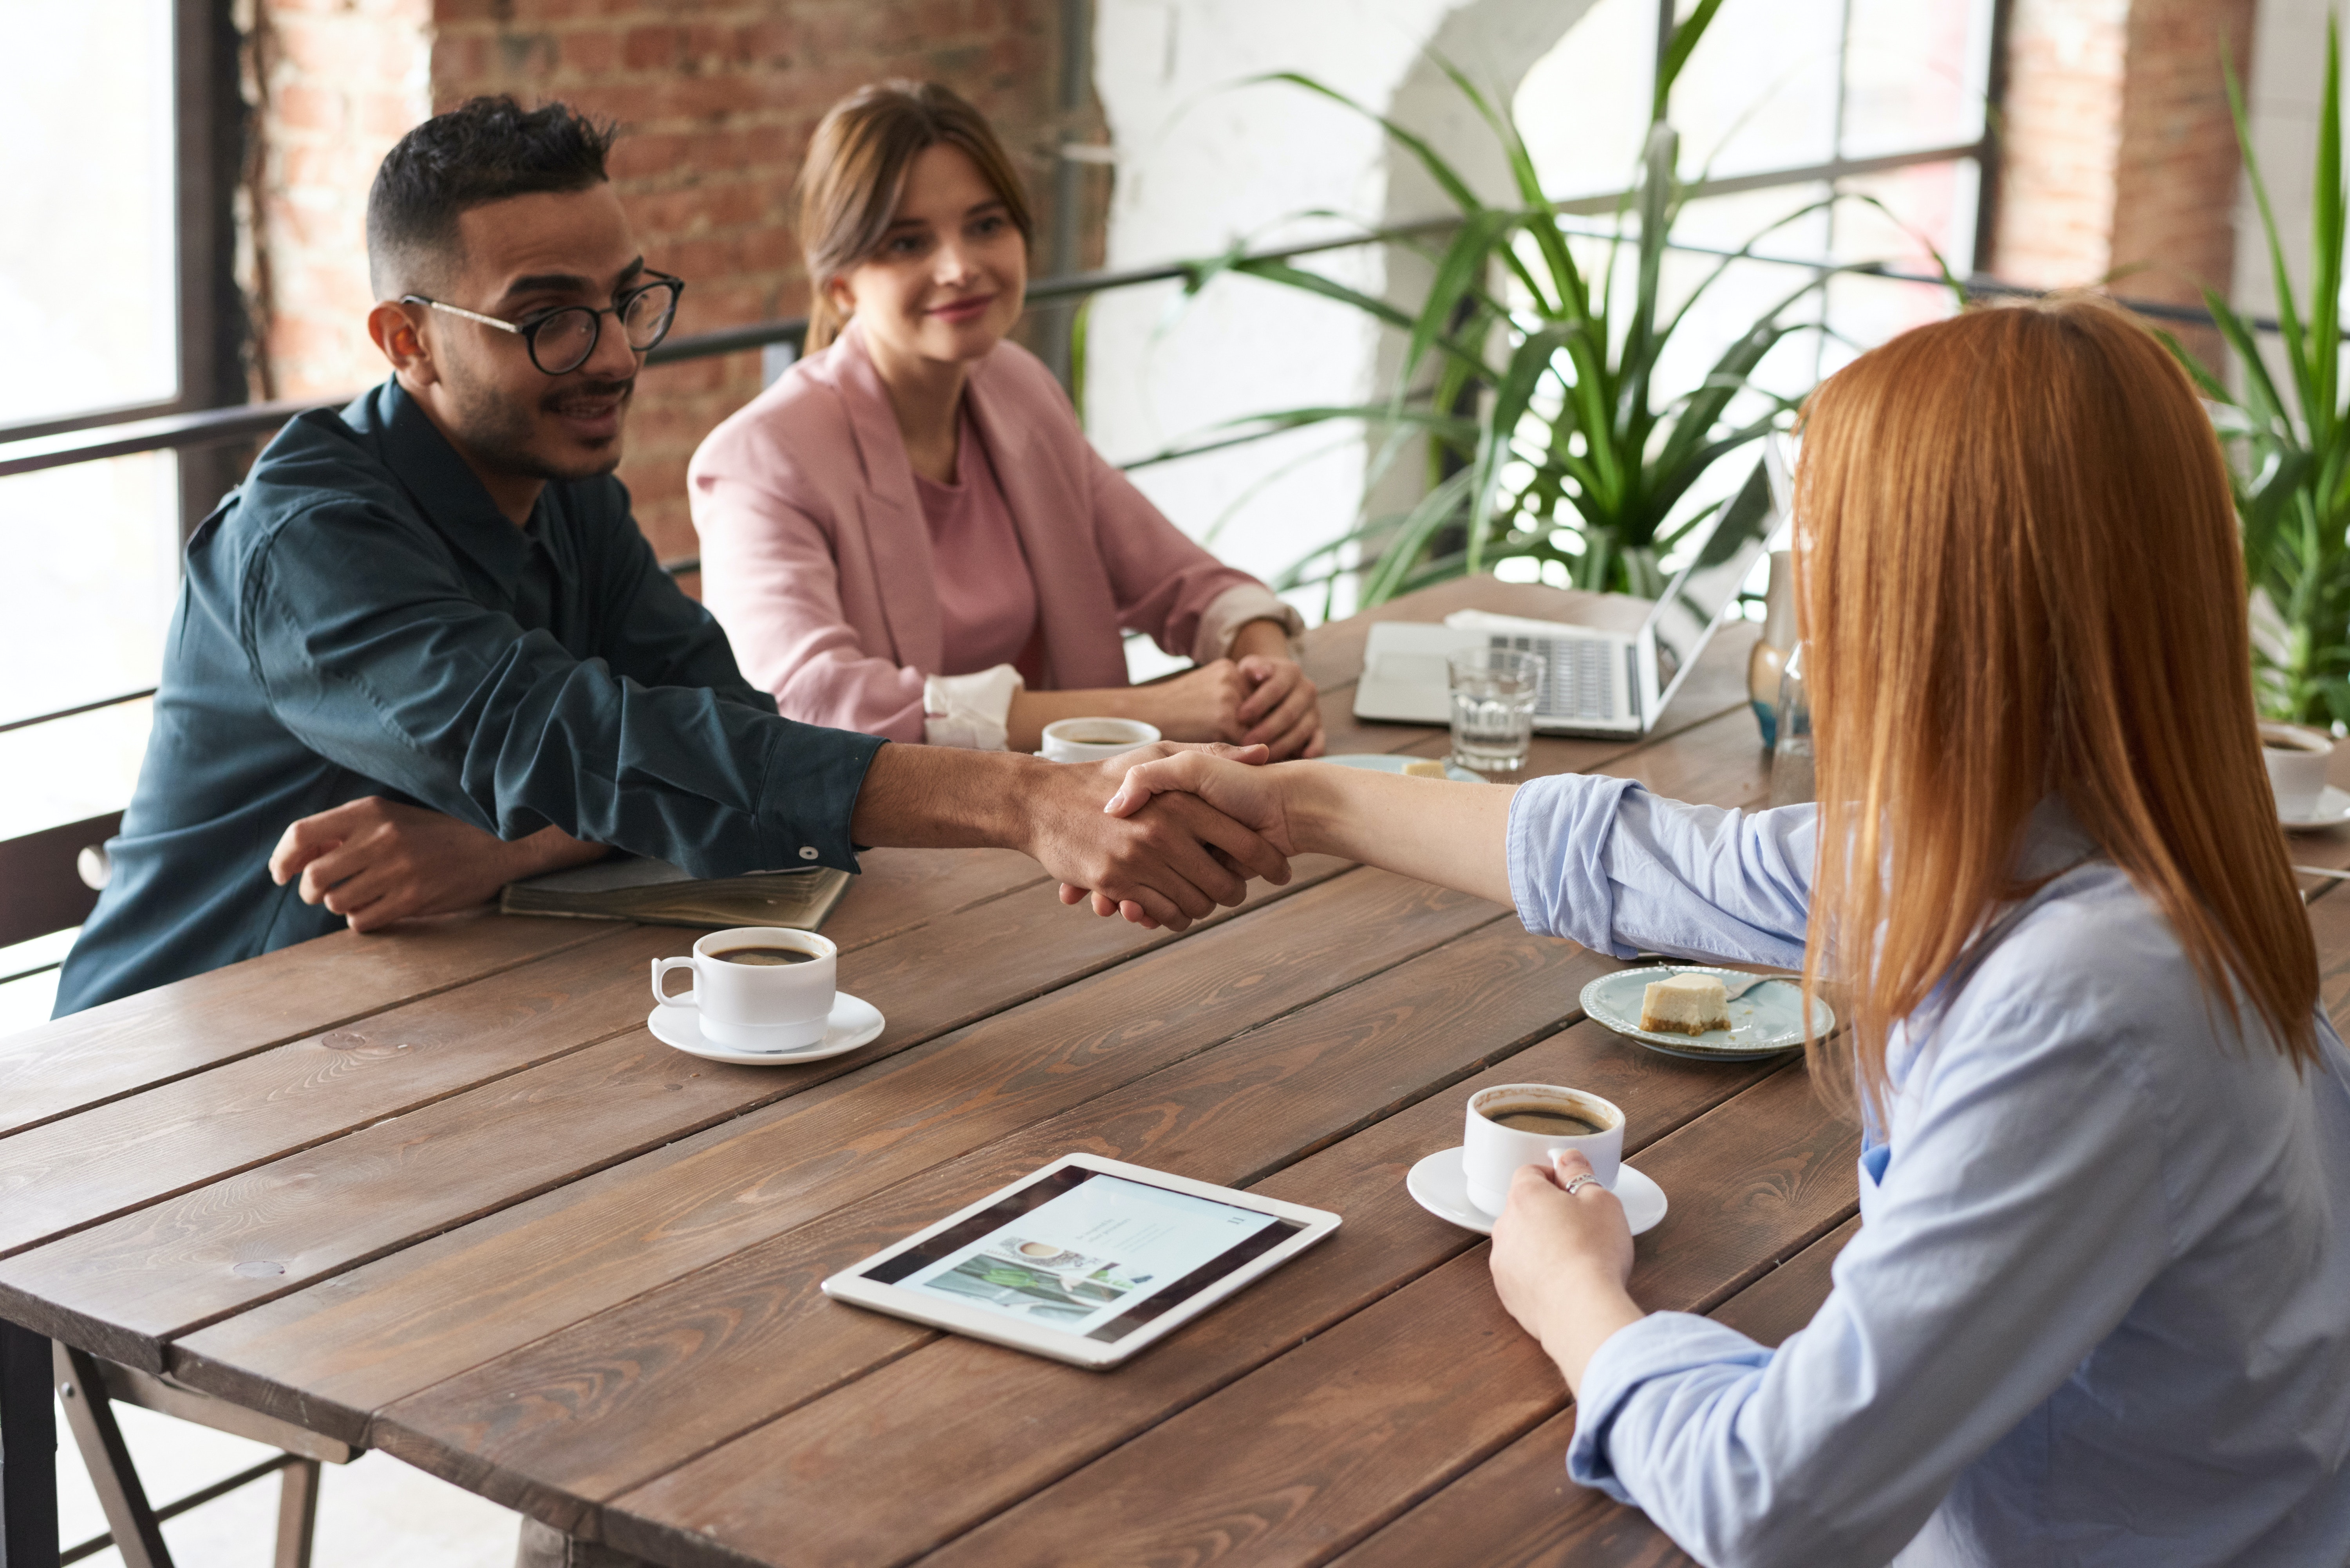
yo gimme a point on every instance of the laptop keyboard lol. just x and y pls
(1576, 683)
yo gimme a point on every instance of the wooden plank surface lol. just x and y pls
(175, 1264)
(930, 1413)
(1518, 1510)
(1314, 1451)
(134, 1043)
(344, 1347)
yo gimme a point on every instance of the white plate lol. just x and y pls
(1437, 1185)
(854, 1022)
(1390, 763)
(2333, 809)
(1767, 1020)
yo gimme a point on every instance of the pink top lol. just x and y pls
(817, 560)
(987, 600)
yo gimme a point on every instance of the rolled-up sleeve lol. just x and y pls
(398, 675)
(1609, 864)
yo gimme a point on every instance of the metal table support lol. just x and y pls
(29, 1451)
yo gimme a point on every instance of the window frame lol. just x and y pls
(208, 137)
(1983, 152)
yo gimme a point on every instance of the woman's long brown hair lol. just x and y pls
(855, 177)
(2020, 574)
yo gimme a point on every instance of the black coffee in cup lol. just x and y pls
(766, 956)
(1542, 1117)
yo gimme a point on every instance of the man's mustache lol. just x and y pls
(579, 392)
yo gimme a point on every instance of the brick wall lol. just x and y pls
(333, 84)
(719, 98)
(2176, 178)
(2062, 141)
(2120, 157)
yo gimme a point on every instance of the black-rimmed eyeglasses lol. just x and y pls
(561, 340)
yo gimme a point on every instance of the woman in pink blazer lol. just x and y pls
(908, 535)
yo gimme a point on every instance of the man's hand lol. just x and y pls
(1169, 861)
(1174, 862)
(1560, 1261)
(1229, 782)
(374, 861)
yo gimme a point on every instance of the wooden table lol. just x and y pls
(441, 1193)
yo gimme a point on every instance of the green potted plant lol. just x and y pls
(1529, 371)
(2291, 440)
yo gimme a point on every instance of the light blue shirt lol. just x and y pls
(2099, 1311)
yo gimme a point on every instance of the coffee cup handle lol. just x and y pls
(689, 997)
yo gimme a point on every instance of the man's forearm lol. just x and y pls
(943, 797)
(549, 849)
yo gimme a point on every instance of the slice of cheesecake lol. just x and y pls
(1685, 1004)
(1425, 768)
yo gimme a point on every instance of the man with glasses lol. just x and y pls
(425, 650)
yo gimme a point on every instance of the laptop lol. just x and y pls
(1594, 682)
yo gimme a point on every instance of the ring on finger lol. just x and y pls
(1580, 1182)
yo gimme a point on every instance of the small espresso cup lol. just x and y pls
(1510, 1124)
(2296, 759)
(751, 996)
(1095, 740)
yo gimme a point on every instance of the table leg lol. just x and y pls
(29, 1451)
(137, 1533)
(297, 1513)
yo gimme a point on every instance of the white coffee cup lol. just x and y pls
(1095, 740)
(756, 1006)
(1491, 1153)
(2297, 759)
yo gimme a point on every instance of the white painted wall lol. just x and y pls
(1201, 163)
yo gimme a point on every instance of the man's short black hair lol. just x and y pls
(485, 150)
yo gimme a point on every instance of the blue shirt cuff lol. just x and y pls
(1662, 1345)
(1559, 828)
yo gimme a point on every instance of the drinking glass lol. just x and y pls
(1792, 768)
(1493, 694)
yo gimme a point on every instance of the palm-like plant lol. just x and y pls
(2292, 475)
(1547, 439)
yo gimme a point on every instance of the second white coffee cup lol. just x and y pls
(1095, 740)
(752, 996)
(2297, 759)
(1544, 1117)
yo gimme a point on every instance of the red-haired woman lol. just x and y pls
(2099, 1309)
(908, 535)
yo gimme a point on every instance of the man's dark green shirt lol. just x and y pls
(358, 618)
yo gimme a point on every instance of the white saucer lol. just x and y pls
(854, 1022)
(1437, 1185)
(2333, 809)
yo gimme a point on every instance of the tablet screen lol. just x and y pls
(1087, 1254)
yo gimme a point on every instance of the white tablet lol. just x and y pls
(1086, 1261)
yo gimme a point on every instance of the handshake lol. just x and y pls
(1173, 831)
(1166, 833)
(1161, 835)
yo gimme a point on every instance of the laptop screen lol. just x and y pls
(1683, 618)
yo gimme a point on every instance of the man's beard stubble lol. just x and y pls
(497, 429)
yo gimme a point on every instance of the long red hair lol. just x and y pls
(2020, 574)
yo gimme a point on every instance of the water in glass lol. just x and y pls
(1494, 690)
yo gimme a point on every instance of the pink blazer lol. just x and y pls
(816, 560)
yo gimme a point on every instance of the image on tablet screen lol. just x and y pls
(1087, 1254)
